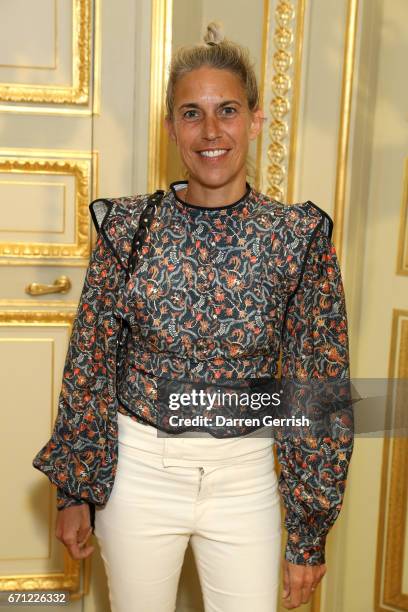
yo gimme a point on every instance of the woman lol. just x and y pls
(225, 279)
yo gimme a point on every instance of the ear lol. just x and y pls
(257, 122)
(170, 129)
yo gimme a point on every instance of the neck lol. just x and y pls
(205, 195)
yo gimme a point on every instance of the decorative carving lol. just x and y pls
(81, 170)
(78, 92)
(280, 105)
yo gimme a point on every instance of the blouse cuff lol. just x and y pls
(301, 553)
(65, 501)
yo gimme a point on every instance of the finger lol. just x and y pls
(286, 581)
(295, 598)
(307, 592)
(83, 534)
(80, 552)
(298, 576)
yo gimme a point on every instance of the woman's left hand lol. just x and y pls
(299, 582)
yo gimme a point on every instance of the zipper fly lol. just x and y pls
(201, 477)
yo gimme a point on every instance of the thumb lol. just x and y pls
(286, 582)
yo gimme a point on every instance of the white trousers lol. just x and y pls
(221, 495)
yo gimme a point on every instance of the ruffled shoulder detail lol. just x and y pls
(117, 219)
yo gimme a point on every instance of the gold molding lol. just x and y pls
(78, 92)
(7, 303)
(84, 171)
(262, 88)
(344, 128)
(69, 578)
(394, 486)
(288, 41)
(402, 257)
(30, 317)
(161, 40)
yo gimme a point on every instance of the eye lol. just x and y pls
(191, 114)
(228, 111)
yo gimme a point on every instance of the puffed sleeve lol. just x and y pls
(75, 458)
(315, 347)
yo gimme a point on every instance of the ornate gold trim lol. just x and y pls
(394, 485)
(30, 317)
(78, 92)
(83, 170)
(402, 257)
(262, 86)
(161, 40)
(288, 38)
(69, 578)
(7, 303)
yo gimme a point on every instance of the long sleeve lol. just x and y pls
(79, 458)
(66, 501)
(315, 347)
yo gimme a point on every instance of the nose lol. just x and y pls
(211, 128)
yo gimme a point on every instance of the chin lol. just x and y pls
(212, 179)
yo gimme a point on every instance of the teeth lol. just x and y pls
(214, 153)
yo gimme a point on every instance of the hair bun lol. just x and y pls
(214, 34)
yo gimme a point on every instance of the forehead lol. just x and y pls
(208, 85)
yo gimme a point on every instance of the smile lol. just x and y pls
(213, 153)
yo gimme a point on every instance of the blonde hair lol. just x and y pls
(216, 52)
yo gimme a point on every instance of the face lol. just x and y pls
(212, 126)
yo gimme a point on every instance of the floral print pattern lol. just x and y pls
(216, 295)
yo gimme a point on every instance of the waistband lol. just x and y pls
(194, 448)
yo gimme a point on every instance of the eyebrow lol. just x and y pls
(195, 105)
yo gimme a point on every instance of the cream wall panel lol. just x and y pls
(36, 208)
(78, 172)
(60, 47)
(34, 356)
(21, 45)
(377, 156)
(319, 112)
(28, 385)
(188, 22)
(121, 128)
(139, 131)
(350, 581)
(65, 133)
(382, 288)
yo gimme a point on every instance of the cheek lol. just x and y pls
(185, 140)
(240, 134)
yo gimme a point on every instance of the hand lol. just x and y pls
(73, 529)
(299, 582)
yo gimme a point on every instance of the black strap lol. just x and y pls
(145, 220)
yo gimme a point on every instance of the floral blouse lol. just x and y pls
(217, 295)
